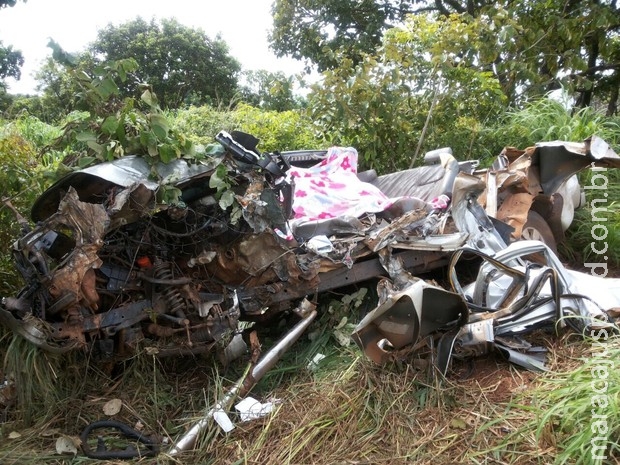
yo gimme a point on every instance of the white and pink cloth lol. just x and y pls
(332, 189)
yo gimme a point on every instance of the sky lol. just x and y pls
(242, 24)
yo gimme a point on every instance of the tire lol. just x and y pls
(536, 228)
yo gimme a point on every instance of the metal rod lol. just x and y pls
(245, 383)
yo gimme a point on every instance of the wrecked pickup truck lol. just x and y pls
(110, 269)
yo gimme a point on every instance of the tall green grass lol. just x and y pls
(573, 415)
(552, 118)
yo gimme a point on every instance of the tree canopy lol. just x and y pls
(416, 94)
(531, 47)
(268, 90)
(5, 3)
(181, 64)
(10, 62)
(315, 29)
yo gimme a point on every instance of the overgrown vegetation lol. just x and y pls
(417, 92)
(572, 412)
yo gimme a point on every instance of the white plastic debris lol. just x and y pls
(314, 363)
(221, 418)
(320, 245)
(251, 409)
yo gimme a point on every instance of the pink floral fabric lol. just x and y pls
(331, 189)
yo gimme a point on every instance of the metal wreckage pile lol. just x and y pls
(254, 236)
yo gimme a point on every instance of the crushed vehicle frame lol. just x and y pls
(107, 267)
(256, 236)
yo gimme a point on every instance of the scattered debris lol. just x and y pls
(315, 362)
(253, 236)
(112, 407)
(251, 409)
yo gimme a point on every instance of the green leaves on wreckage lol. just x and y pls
(112, 127)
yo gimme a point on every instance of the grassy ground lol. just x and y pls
(346, 411)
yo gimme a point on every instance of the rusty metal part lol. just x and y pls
(33, 330)
(171, 294)
(257, 260)
(414, 261)
(513, 211)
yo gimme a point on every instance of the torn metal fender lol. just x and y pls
(406, 317)
(30, 331)
(470, 217)
(93, 182)
(558, 160)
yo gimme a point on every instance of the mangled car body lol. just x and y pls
(109, 268)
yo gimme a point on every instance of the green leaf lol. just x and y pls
(215, 149)
(218, 179)
(160, 126)
(148, 139)
(152, 149)
(227, 199)
(149, 98)
(86, 136)
(169, 195)
(95, 147)
(167, 153)
(106, 88)
(110, 125)
(83, 162)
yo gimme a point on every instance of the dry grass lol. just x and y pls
(349, 411)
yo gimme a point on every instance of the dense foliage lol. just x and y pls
(269, 91)
(181, 64)
(323, 29)
(10, 60)
(276, 130)
(530, 47)
(24, 175)
(5, 3)
(417, 94)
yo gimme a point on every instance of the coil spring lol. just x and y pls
(172, 296)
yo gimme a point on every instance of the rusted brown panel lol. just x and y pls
(262, 260)
(514, 210)
(87, 224)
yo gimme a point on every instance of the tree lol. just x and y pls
(531, 47)
(183, 65)
(416, 94)
(10, 60)
(10, 63)
(269, 91)
(5, 3)
(315, 30)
